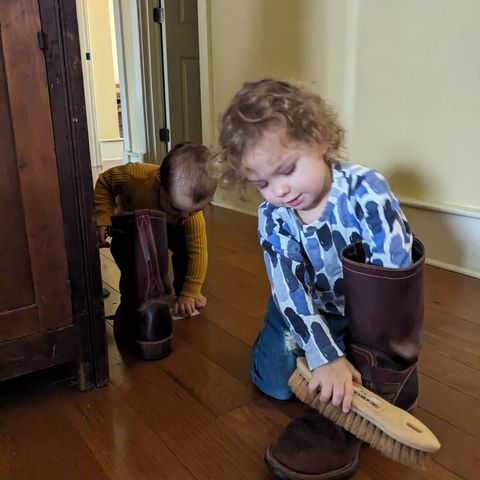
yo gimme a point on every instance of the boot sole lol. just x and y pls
(284, 473)
(153, 350)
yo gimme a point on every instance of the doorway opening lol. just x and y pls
(101, 83)
(141, 78)
(148, 94)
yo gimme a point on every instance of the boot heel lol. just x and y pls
(153, 331)
(153, 350)
(122, 323)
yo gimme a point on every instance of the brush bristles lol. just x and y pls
(359, 426)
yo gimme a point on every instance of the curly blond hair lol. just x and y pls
(269, 103)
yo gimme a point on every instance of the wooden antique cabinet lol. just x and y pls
(51, 310)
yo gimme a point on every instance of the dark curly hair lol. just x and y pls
(188, 163)
(268, 103)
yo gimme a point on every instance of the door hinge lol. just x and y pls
(158, 14)
(164, 135)
(42, 40)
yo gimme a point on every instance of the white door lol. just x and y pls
(181, 29)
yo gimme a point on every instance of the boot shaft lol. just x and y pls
(140, 249)
(384, 306)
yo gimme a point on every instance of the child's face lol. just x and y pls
(288, 173)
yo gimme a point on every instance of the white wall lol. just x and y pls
(405, 79)
(416, 97)
(103, 69)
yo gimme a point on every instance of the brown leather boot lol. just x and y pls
(314, 448)
(139, 247)
(384, 307)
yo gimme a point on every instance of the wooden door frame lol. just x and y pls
(209, 120)
(88, 83)
(64, 72)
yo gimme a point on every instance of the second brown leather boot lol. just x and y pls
(140, 249)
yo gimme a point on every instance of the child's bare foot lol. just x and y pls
(200, 301)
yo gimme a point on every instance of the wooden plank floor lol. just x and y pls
(196, 415)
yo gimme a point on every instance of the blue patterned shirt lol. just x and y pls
(303, 261)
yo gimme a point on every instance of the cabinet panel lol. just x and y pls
(36, 296)
(16, 285)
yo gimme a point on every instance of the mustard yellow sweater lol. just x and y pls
(132, 187)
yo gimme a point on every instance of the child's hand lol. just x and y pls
(335, 381)
(200, 301)
(184, 306)
(102, 234)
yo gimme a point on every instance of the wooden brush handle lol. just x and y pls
(395, 422)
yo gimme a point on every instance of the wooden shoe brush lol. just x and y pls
(393, 431)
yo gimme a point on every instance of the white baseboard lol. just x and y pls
(112, 152)
(451, 236)
(461, 210)
(236, 208)
(133, 156)
(450, 233)
(112, 162)
(452, 268)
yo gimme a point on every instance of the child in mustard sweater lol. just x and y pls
(181, 188)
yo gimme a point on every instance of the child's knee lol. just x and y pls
(270, 373)
(275, 388)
